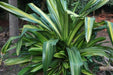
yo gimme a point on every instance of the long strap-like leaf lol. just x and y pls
(48, 50)
(21, 14)
(57, 8)
(7, 45)
(110, 30)
(45, 17)
(14, 61)
(73, 33)
(93, 51)
(27, 28)
(88, 27)
(75, 60)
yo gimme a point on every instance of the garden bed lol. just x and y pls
(4, 36)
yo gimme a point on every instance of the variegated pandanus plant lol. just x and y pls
(60, 41)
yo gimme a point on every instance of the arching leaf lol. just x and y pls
(48, 51)
(75, 60)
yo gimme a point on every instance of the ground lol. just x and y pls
(4, 36)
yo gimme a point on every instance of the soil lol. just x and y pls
(4, 36)
(4, 32)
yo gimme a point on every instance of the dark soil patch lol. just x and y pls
(4, 23)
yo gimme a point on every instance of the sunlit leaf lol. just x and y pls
(88, 27)
(110, 30)
(21, 14)
(14, 61)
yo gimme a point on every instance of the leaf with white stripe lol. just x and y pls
(21, 14)
(89, 21)
(48, 51)
(45, 17)
(110, 30)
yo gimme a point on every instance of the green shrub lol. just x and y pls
(61, 41)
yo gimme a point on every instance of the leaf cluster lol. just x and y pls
(61, 41)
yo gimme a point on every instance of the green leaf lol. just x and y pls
(72, 13)
(21, 14)
(24, 70)
(15, 61)
(110, 30)
(66, 65)
(18, 46)
(101, 3)
(60, 54)
(93, 51)
(27, 28)
(45, 17)
(37, 67)
(89, 21)
(92, 5)
(54, 63)
(52, 7)
(59, 16)
(89, 5)
(78, 37)
(75, 60)
(77, 3)
(93, 42)
(37, 59)
(86, 72)
(80, 45)
(35, 49)
(73, 33)
(61, 8)
(11, 48)
(41, 37)
(48, 51)
(8, 43)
